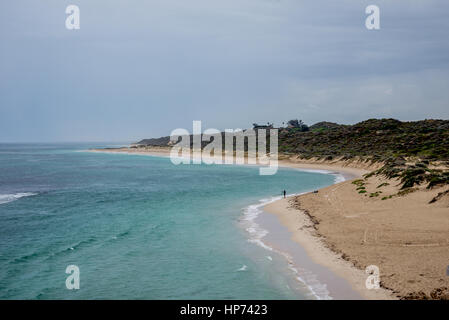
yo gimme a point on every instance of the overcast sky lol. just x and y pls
(139, 69)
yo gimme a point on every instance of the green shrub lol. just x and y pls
(383, 185)
(358, 182)
(406, 191)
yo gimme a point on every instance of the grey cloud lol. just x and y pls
(141, 68)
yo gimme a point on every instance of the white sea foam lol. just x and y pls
(317, 289)
(256, 235)
(338, 177)
(5, 198)
(250, 213)
(243, 268)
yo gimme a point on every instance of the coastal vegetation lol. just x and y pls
(415, 152)
(374, 139)
(385, 140)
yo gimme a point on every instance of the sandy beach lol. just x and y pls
(301, 230)
(153, 151)
(403, 235)
(345, 231)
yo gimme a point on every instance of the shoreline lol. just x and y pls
(292, 235)
(325, 265)
(319, 265)
(352, 224)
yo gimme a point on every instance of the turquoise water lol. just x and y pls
(137, 227)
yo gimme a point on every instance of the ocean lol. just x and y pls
(139, 227)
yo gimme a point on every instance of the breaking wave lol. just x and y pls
(5, 198)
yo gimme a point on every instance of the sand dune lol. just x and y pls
(405, 236)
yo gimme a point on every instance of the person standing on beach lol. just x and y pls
(285, 192)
